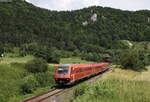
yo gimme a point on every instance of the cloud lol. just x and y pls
(78, 4)
(126, 4)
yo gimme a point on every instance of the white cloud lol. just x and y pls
(78, 4)
(126, 4)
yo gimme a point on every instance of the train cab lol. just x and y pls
(62, 73)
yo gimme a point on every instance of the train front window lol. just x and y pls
(63, 70)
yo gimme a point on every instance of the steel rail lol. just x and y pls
(41, 97)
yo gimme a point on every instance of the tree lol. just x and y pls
(37, 65)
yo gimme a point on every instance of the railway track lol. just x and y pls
(45, 97)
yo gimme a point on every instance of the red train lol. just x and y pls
(70, 73)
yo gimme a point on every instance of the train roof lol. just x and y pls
(82, 64)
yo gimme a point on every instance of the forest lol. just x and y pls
(23, 23)
(89, 33)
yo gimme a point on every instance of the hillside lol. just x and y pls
(98, 27)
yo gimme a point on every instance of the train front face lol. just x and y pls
(62, 74)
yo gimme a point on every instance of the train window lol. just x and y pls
(98, 67)
(79, 70)
(72, 70)
(63, 70)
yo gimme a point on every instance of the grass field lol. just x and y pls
(8, 60)
(74, 60)
(117, 86)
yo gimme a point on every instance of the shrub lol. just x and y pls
(45, 79)
(132, 59)
(29, 84)
(35, 49)
(76, 52)
(47, 54)
(145, 57)
(36, 65)
(55, 60)
(96, 57)
(30, 48)
(3, 98)
(80, 90)
(121, 44)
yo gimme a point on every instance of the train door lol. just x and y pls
(72, 74)
(77, 73)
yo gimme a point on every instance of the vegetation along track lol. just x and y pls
(50, 95)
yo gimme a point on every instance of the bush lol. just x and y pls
(80, 90)
(133, 59)
(49, 54)
(121, 44)
(45, 79)
(96, 57)
(29, 84)
(30, 48)
(55, 60)
(3, 98)
(145, 56)
(36, 66)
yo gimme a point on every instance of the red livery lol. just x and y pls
(70, 73)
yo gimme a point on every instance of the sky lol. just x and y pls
(63, 5)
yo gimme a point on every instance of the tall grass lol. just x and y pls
(117, 90)
(116, 86)
(14, 77)
(7, 59)
(10, 78)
